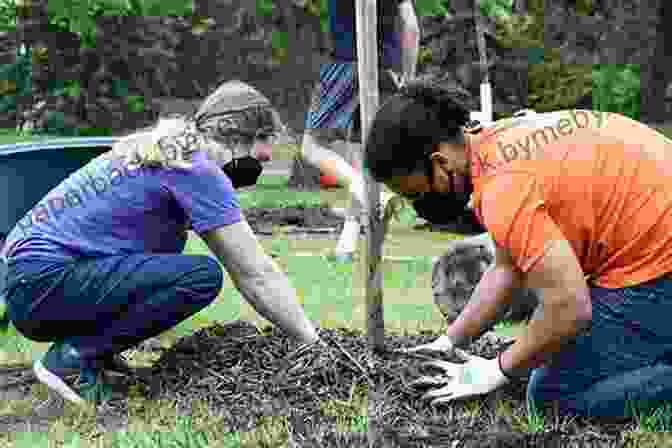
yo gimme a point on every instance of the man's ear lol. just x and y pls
(437, 156)
(444, 152)
(439, 161)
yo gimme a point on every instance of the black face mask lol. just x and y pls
(241, 128)
(443, 208)
(243, 171)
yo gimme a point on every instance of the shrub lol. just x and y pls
(554, 85)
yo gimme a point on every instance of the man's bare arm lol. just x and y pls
(567, 309)
(490, 297)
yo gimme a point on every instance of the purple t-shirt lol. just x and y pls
(105, 208)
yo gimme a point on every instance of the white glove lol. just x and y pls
(478, 376)
(442, 344)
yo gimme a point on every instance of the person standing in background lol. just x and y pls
(334, 109)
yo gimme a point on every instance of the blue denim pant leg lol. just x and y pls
(107, 305)
(622, 363)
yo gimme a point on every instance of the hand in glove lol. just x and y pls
(477, 376)
(442, 344)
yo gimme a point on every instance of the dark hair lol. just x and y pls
(409, 125)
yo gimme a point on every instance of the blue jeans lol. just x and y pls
(622, 363)
(110, 304)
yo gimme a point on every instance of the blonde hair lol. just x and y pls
(169, 144)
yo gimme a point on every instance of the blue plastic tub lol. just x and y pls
(29, 170)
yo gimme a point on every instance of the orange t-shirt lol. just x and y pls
(600, 180)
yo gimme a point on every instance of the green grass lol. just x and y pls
(272, 192)
(326, 291)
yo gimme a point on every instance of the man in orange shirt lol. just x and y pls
(579, 204)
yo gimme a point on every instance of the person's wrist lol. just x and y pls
(453, 334)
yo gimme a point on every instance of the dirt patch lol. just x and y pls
(320, 220)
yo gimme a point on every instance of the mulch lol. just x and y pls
(242, 375)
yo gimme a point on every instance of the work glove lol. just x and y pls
(477, 376)
(442, 344)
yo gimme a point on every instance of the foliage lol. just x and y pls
(428, 8)
(265, 8)
(7, 16)
(424, 8)
(15, 80)
(110, 95)
(79, 16)
(554, 85)
(616, 88)
(496, 8)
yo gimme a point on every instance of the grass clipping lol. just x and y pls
(244, 376)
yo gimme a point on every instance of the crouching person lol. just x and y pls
(97, 266)
(579, 205)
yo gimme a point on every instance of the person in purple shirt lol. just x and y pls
(96, 267)
(334, 105)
